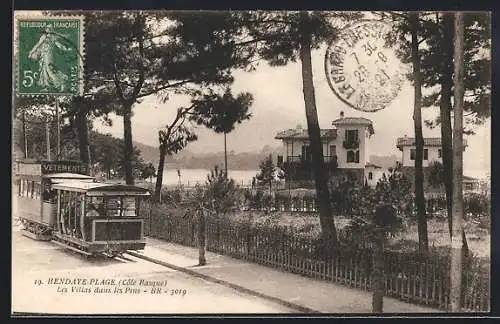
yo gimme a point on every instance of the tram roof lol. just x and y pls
(67, 175)
(99, 188)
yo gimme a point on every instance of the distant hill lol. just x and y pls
(237, 161)
(384, 161)
(189, 160)
(149, 153)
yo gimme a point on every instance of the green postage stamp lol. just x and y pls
(49, 55)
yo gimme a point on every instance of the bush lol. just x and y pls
(477, 204)
(383, 207)
(173, 196)
(221, 191)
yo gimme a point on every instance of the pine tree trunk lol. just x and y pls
(456, 259)
(378, 273)
(128, 146)
(445, 113)
(423, 241)
(159, 175)
(320, 174)
(445, 119)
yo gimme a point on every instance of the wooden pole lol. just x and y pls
(225, 153)
(457, 197)
(58, 128)
(25, 138)
(202, 236)
(47, 137)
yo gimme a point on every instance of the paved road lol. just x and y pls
(39, 267)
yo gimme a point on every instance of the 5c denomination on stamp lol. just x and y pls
(49, 55)
(361, 69)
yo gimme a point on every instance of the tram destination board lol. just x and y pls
(49, 167)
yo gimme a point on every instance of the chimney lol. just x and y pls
(341, 114)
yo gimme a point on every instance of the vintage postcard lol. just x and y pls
(250, 162)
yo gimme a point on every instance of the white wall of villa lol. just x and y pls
(373, 175)
(433, 154)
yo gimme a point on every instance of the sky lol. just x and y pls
(279, 104)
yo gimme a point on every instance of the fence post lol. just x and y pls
(201, 237)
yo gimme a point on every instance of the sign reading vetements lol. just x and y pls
(361, 69)
(49, 167)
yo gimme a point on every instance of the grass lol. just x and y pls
(477, 233)
(478, 238)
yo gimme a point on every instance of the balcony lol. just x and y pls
(300, 168)
(302, 160)
(298, 165)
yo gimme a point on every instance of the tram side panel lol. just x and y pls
(36, 205)
(29, 209)
(29, 200)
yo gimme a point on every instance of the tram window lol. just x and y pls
(32, 193)
(20, 188)
(128, 206)
(48, 194)
(94, 206)
(27, 192)
(37, 190)
(113, 206)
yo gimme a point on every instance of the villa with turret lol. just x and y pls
(345, 151)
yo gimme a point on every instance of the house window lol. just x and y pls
(351, 135)
(413, 153)
(370, 176)
(280, 160)
(306, 153)
(352, 156)
(440, 153)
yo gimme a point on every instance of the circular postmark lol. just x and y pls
(361, 69)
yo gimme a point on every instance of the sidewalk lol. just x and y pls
(302, 294)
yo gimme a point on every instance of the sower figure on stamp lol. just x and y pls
(50, 75)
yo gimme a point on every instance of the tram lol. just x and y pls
(60, 202)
